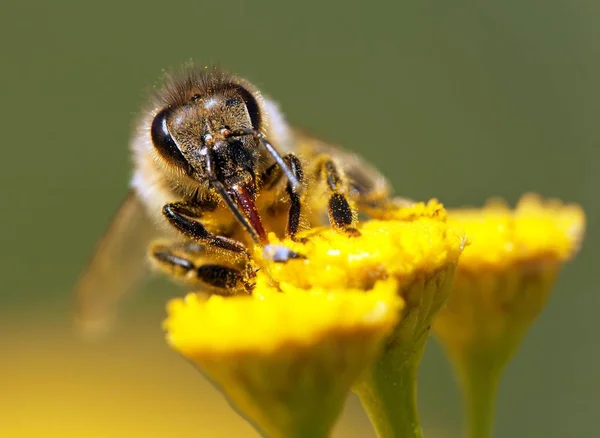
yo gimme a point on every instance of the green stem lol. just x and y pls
(480, 376)
(389, 395)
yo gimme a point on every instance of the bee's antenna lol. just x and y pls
(220, 188)
(271, 150)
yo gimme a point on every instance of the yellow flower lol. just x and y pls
(287, 360)
(501, 285)
(414, 243)
(287, 356)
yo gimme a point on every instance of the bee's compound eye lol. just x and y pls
(163, 140)
(245, 96)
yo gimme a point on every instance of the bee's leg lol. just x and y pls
(185, 217)
(273, 175)
(342, 215)
(185, 262)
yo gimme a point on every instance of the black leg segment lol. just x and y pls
(273, 175)
(342, 215)
(176, 261)
(293, 224)
(180, 214)
(340, 211)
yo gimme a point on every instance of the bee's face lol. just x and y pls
(185, 135)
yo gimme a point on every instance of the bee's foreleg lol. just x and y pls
(180, 263)
(272, 175)
(180, 214)
(342, 215)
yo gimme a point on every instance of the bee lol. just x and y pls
(216, 168)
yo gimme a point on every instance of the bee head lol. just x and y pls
(184, 134)
(208, 128)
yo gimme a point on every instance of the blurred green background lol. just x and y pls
(457, 100)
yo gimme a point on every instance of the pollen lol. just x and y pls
(416, 243)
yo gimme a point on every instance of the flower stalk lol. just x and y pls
(479, 374)
(388, 390)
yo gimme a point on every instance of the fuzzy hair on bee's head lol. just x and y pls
(183, 86)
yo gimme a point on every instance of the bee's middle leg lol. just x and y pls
(185, 262)
(342, 215)
(185, 217)
(273, 175)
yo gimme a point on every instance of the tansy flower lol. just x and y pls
(501, 285)
(286, 361)
(287, 356)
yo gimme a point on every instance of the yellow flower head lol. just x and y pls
(287, 355)
(506, 271)
(415, 245)
(535, 232)
(286, 361)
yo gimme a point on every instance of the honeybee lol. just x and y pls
(216, 167)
